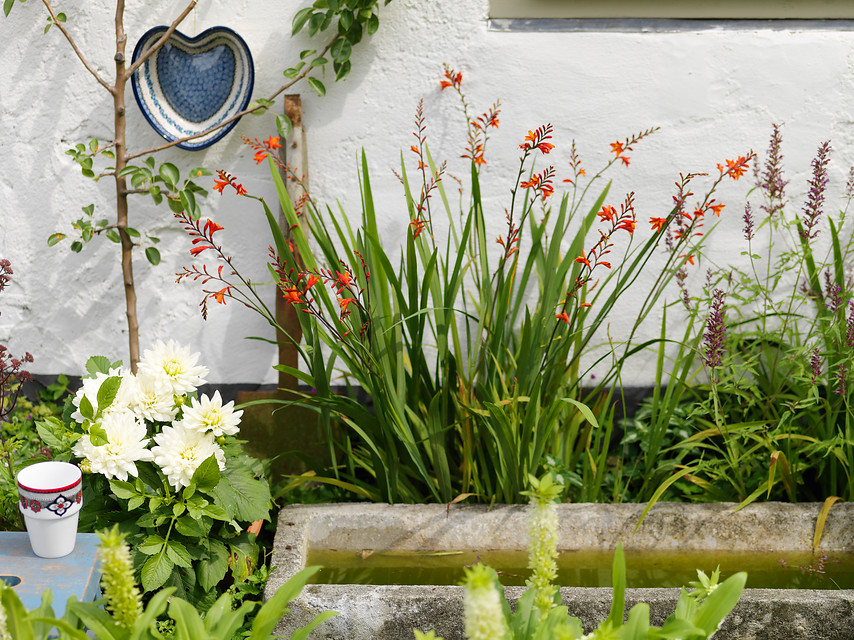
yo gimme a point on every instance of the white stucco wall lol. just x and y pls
(714, 93)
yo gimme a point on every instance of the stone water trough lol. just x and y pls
(386, 612)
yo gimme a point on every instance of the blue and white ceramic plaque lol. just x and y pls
(192, 84)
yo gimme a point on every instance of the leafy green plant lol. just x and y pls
(539, 614)
(167, 466)
(351, 19)
(765, 382)
(473, 366)
(126, 619)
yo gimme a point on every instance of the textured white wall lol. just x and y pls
(713, 92)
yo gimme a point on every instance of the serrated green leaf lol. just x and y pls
(97, 364)
(122, 489)
(152, 545)
(188, 526)
(86, 408)
(317, 85)
(211, 572)
(245, 497)
(107, 392)
(207, 475)
(177, 553)
(156, 571)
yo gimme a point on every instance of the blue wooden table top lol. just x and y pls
(76, 574)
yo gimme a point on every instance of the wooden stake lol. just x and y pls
(295, 153)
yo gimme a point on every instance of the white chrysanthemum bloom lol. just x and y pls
(483, 615)
(153, 399)
(126, 445)
(180, 451)
(90, 389)
(174, 365)
(209, 414)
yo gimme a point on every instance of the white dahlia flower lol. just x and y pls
(209, 414)
(152, 399)
(126, 445)
(180, 451)
(174, 365)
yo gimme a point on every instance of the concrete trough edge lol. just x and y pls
(392, 612)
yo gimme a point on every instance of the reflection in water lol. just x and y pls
(765, 570)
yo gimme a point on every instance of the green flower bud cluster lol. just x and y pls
(120, 590)
(484, 616)
(542, 540)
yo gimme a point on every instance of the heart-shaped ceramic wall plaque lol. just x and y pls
(192, 84)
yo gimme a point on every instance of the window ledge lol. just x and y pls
(661, 25)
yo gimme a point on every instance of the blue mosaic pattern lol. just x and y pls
(192, 84)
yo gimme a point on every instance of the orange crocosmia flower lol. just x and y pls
(584, 261)
(716, 208)
(582, 172)
(625, 160)
(240, 190)
(293, 295)
(562, 316)
(219, 296)
(311, 281)
(608, 212)
(736, 168)
(343, 280)
(211, 228)
(197, 250)
(273, 143)
(607, 265)
(688, 258)
(584, 305)
(657, 223)
(628, 225)
(545, 147)
(414, 149)
(617, 148)
(685, 214)
(344, 303)
(530, 184)
(220, 184)
(260, 156)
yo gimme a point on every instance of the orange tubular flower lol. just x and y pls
(608, 212)
(272, 143)
(311, 281)
(220, 184)
(562, 316)
(716, 208)
(657, 223)
(344, 303)
(293, 295)
(617, 148)
(343, 280)
(584, 261)
(688, 258)
(219, 296)
(211, 228)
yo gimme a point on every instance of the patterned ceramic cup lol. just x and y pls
(50, 496)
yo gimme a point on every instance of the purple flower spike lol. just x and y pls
(815, 198)
(715, 331)
(771, 181)
(815, 364)
(748, 223)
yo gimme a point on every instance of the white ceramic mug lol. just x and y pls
(50, 496)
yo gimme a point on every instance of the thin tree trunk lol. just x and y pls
(118, 92)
